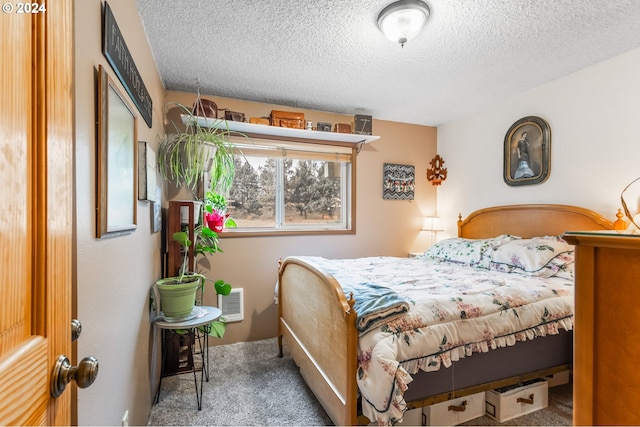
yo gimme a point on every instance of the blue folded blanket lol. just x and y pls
(375, 303)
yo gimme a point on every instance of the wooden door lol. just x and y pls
(36, 208)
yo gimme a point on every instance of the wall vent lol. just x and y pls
(232, 305)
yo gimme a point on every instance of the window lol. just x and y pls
(288, 187)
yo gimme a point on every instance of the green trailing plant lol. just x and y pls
(214, 219)
(194, 153)
(185, 156)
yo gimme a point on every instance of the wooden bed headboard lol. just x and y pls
(530, 221)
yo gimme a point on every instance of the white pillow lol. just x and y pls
(473, 252)
(539, 256)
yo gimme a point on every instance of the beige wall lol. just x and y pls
(113, 275)
(384, 227)
(593, 115)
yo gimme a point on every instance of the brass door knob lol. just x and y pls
(63, 373)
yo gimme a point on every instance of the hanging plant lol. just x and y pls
(185, 156)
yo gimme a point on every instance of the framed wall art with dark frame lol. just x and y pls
(527, 152)
(323, 126)
(146, 173)
(116, 161)
(156, 210)
(156, 217)
(398, 181)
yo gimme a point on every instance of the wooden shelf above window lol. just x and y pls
(280, 133)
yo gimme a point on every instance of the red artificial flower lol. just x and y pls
(215, 220)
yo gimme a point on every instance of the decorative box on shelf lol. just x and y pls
(362, 124)
(455, 411)
(506, 403)
(287, 119)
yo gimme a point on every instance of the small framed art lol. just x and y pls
(156, 217)
(527, 152)
(323, 126)
(398, 181)
(146, 172)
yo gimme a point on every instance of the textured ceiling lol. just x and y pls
(329, 55)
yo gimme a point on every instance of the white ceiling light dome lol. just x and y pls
(403, 20)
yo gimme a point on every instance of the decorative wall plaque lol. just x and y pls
(117, 53)
(398, 181)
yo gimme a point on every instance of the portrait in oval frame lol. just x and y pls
(527, 152)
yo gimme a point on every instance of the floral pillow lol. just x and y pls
(539, 256)
(565, 265)
(473, 252)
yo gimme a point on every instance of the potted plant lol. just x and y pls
(178, 294)
(200, 150)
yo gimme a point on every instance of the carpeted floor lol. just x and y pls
(250, 386)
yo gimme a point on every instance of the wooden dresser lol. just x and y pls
(606, 381)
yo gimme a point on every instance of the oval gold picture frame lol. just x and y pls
(527, 152)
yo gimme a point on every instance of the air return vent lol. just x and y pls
(232, 305)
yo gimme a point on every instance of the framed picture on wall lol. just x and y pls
(156, 210)
(398, 181)
(116, 161)
(146, 172)
(527, 152)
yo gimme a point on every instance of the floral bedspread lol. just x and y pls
(454, 311)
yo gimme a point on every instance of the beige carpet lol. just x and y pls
(250, 386)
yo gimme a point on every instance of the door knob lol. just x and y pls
(63, 373)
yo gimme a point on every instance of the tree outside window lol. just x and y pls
(285, 189)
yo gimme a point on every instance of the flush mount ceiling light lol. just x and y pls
(403, 20)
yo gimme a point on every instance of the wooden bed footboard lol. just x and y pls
(318, 325)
